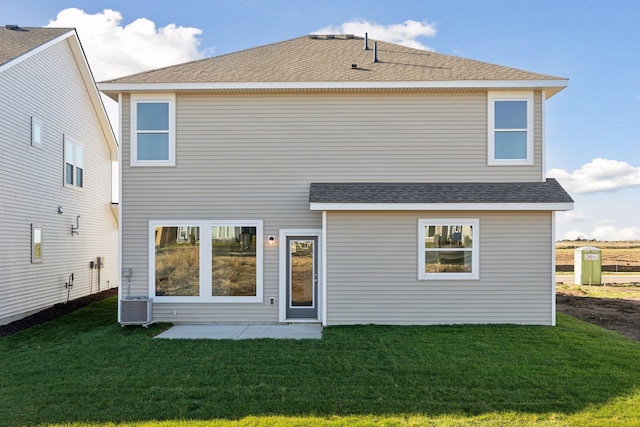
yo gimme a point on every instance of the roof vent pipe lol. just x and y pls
(375, 52)
(366, 41)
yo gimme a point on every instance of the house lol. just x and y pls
(60, 235)
(335, 179)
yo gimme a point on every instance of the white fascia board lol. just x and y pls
(35, 51)
(441, 206)
(463, 84)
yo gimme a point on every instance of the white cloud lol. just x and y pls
(604, 230)
(568, 217)
(114, 50)
(599, 175)
(404, 34)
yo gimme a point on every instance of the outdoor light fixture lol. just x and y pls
(271, 239)
(60, 211)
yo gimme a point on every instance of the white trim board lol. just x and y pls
(462, 84)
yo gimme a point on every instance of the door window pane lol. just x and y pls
(302, 271)
(177, 262)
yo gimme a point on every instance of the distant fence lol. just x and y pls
(607, 268)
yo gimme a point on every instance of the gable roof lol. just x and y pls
(19, 43)
(332, 61)
(548, 195)
(22, 40)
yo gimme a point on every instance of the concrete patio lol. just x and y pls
(243, 332)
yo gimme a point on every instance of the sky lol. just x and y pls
(592, 128)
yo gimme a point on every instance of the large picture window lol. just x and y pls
(448, 249)
(510, 122)
(217, 261)
(152, 130)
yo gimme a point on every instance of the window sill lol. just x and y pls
(216, 300)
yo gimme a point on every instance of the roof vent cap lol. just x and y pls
(12, 27)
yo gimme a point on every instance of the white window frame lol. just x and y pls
(474, 223)
(35, 259)
(492, 97)
(205, 261)
(169, 98)
(35, 123)
(67, 140)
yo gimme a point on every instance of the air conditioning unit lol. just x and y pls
(136, 311)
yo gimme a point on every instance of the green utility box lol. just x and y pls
(587, 266)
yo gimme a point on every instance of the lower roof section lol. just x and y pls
(548, 195)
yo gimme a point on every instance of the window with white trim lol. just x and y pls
(36, 132)
(73, 164)
(510, 126)
(153, 130)
(216, 261)
(448, 249)
(36, 243)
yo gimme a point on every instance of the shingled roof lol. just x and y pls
(16, 41)
(335, 59)
(349, 195)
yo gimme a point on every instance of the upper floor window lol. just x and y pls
(73, 164)
(510, 125)
(36, 132)
(153, 130)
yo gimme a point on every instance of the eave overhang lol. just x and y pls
(550, 87)
(529, 196)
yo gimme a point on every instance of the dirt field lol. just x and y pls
(626, 253)
(620, 315)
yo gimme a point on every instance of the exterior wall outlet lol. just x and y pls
(272, 301)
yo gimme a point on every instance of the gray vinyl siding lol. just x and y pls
(372, 270)
(253, 157)
(49, 87)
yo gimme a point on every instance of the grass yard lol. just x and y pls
(84, 369)
(627, 292)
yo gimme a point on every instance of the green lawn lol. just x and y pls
(84, 369)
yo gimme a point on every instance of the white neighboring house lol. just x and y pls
(56, 152)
